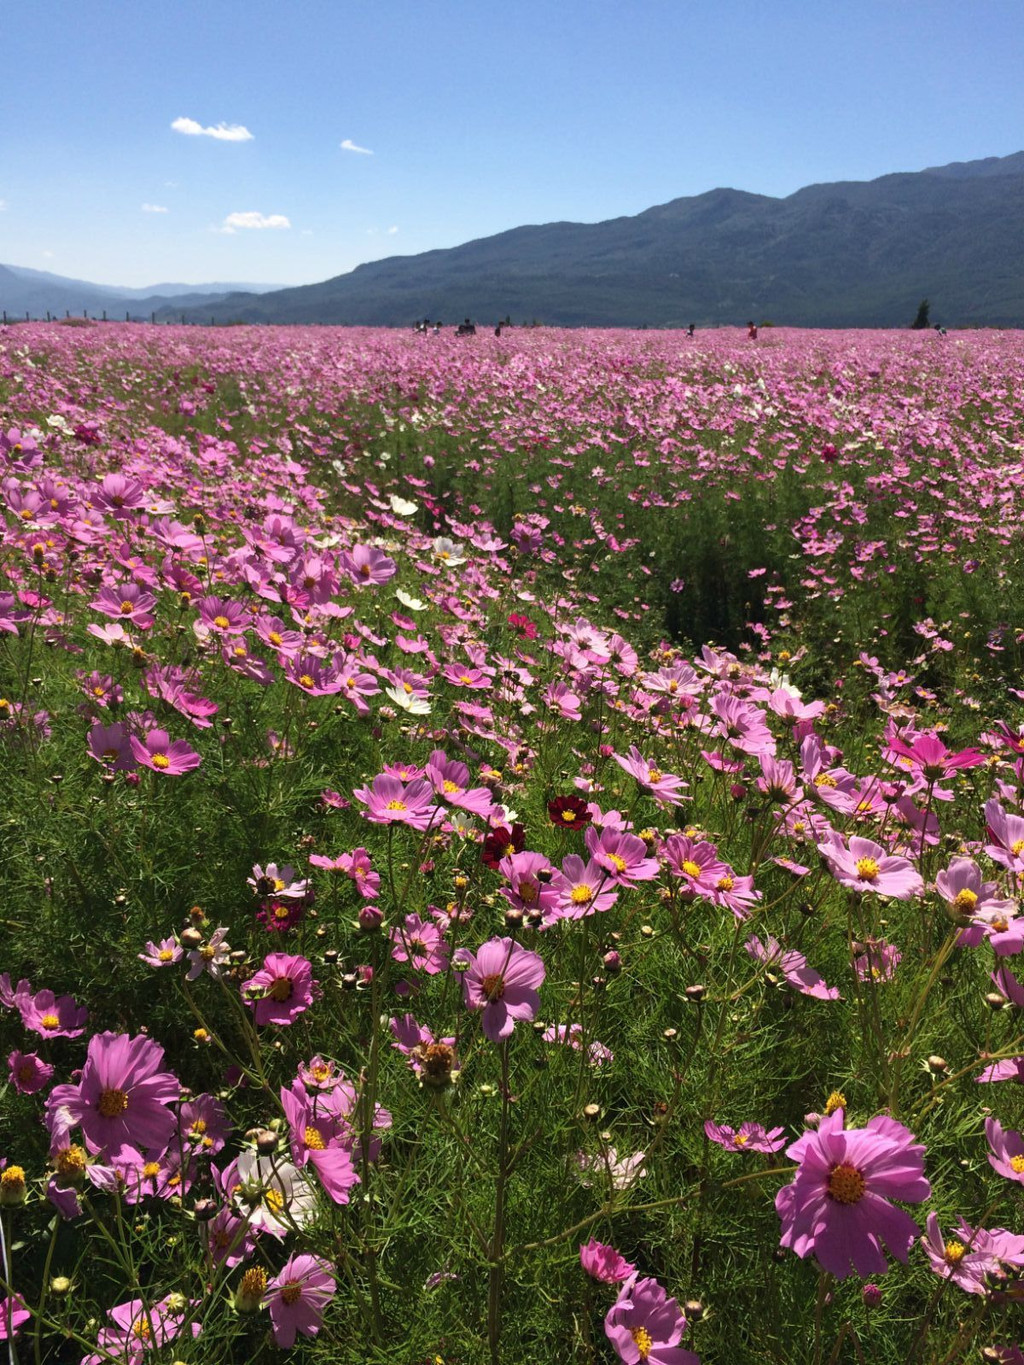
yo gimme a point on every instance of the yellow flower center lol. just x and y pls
(291, 1292)
(222, 622)
(568, 816)
(161, 761)
(396, 805)
(282, 989)
(867, 869)
(198, 1128)
(314, 1139)
(274, 1201)
(450, 787)
(954, 1253)
(50, 1021)
(1017, 847)
(493, 986)
(742, 1139)
(691, 868)
(151, 1170)
(1017, 1164)
(825, 780)
(306, 680)
(254, 1282)
(70, 1161)
(965, 900)
(644, 1341)
(654, 775)
(141, 1330)
(725, 883)
(1000, 926)
(836, 1100)
(112, 1103)
(581, 895)
(127, 608)
(846, 1184)
(165, 955)
(275, 638)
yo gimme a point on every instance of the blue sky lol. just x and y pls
(472, 116)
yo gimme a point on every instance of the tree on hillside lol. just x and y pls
(921, 321)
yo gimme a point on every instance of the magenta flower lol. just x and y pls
(281, 990)
(13, 1316)
(604, 1263)
(420, 943)
(645, 1326)
(583, 888)
(666, 789)
(432, 1059)
(297, 1297)
(623, 856)
(157, 751)
(969, 1259)
(502, 980)
(837, 1207)
(794, 968)
(163, 954)
(279, 882)
(28, 1073)
(366, 564)
(111, 746)
(751, 1137)
(316, 1141)
(122, 1097)
(1007, 1150)
(866, 866)
(52, 1016)
(390, 802)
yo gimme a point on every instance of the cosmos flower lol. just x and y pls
(866, 866)
(645, 1326)
(28, 1073)
(122, 1098)
(838, 1206)
(750, 1137)
(281, 990)
(604, 1264)
(156, 750)
(297, 1297)
(502, 981)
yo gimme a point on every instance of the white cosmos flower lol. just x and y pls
(413, 603)
(408, 701)
(402, 507)
(448, 552)
(271, 1195)
(461, 823)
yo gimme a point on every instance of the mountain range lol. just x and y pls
(853, 253)
(38, 292)
(846, 254)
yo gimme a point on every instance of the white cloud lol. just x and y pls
(223, 132)
(153, 208)
(48, 255)
(392, 231)
(349, 146)
(252, 219)
(3, 205)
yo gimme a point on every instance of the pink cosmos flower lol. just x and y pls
(961, 887)
(316, 1140)
(111, 746)
(695, 863)
(390, 802)
(52, 1016)
(122, 1097)
(1006, 1154)
(211, 957)
(866, 866)
(420, 943)
(793, 966)
(645, 1326)
(163, 954)
(279, 882)
(450, 780)
(622, 856)
(126, 603)
(430, 1058)
(967, 1259)
(281, 990)
(878, 961)
(664, 787)
(572, 1036)
(837, 1207)
(28, 1073)
(502, 981)
(751, 1137)
(1006, 836)
(170, 758)
(13, 1316)
(138, 1328)
(355, 865)
(526, 891)
(297, 1297)
(604, 1264)
(583, 888)
(928, 757)
(366, 564)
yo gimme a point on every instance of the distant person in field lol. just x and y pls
(752, 330)
(691, 329)
(437, 329)
(465, 329)
(497, 330)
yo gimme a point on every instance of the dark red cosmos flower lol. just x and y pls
(569, 812)
(501, 843)
(277, 917)
(523, 626)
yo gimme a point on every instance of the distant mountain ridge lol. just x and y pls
(37, 292)
(852, 253)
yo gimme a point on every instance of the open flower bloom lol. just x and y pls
(502, 980)
(315, 1141)
(122, 1098)
(297, 1297)
(645, 1326)
(972, 1258)
(1006, 1153)
(751, 1137)
(604, 1263)
(158, 751)
(837, 1207)
(281, 990)
(866, 866)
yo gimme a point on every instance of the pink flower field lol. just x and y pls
(514, 846)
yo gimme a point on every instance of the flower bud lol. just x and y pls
(12, 1187)
(370, 918)
(251, 1288)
